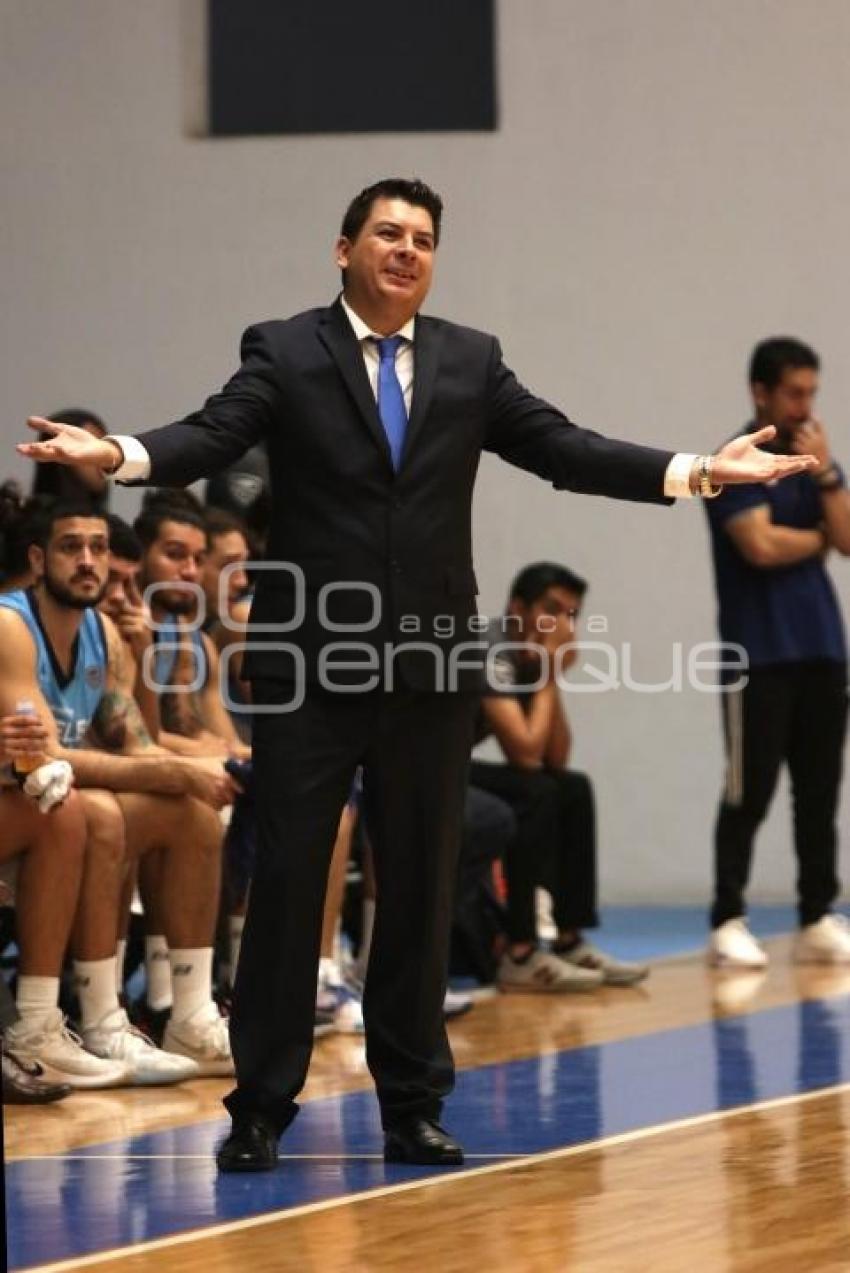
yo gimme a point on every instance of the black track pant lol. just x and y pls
(794, 713)
(555, 844)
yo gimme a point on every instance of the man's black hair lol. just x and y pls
(533, 580)
(123, 540)
(78, 416)
(220, 521)
(164, 505)
(60, 510)
(771, 357)
(18, 528)
(414, 192)
(55, 481)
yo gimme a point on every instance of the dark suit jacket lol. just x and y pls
(341, 514)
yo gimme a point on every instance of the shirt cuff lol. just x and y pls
(136, 466)
(677, 479)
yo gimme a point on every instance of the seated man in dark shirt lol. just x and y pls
(555, 844)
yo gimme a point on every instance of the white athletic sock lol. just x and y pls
(235, 925)
(329, 974)
(158, 973)
(36, 996)
(191, 981)
(119, 964)
(362, 961)
(94, 982)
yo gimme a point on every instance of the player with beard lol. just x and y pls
(59, 653)
(185, 675)
(193, 721)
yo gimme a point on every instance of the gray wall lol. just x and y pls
(670, 183)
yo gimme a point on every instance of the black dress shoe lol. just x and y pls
(23, 1084)
(420, 1140)
(251, 1145)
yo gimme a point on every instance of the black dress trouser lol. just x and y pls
(794, 713)
(554, 846)
(414, 748)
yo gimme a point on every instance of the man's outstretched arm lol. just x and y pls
(229, 423)
(528, 432)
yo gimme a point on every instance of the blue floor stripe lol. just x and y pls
(65, 1207)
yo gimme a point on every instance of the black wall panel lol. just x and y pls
(331, 66)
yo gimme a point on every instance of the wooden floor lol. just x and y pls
(716, 1139)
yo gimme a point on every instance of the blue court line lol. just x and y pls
(664, 932)
(66, 1207)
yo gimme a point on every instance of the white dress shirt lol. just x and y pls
(136, 465)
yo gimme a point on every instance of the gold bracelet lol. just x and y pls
(707, 489)
(693, 476)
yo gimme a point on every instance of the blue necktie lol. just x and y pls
(391, 406)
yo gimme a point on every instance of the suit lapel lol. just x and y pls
(336, 335)
(426, 355)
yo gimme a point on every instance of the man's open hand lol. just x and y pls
(69, 445)
(741, 461)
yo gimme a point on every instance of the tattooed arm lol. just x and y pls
(118, 725)
(146, 769)
(183, 728)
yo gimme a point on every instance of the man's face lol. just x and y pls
(555, 612)
(122, 576)
(175, 557)
(390, 263)
(73, 566)
(227, 549)
(790, 403)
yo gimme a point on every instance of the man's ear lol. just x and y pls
(35, 553)
(760, 395)
(518, 609)
(341, 251)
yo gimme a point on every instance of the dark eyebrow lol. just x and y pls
(80, 537)
(396, 225)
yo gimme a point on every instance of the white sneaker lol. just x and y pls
(825, 942)
(732, 945)
(455, 1004)
(542, 973)
(146, 1065)
(47, 1042)
(204, 1037)
(615, 972)
(349, 1013)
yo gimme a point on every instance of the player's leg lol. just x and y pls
(186, 837)
(52, 851)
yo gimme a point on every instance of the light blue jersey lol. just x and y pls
(72, 700)
(170, 638)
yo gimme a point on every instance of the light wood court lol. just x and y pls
(696, 1123)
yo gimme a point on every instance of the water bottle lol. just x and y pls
(27, 763)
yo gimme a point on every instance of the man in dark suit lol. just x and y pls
(375, 419)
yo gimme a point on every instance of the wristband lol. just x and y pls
(830, 479)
